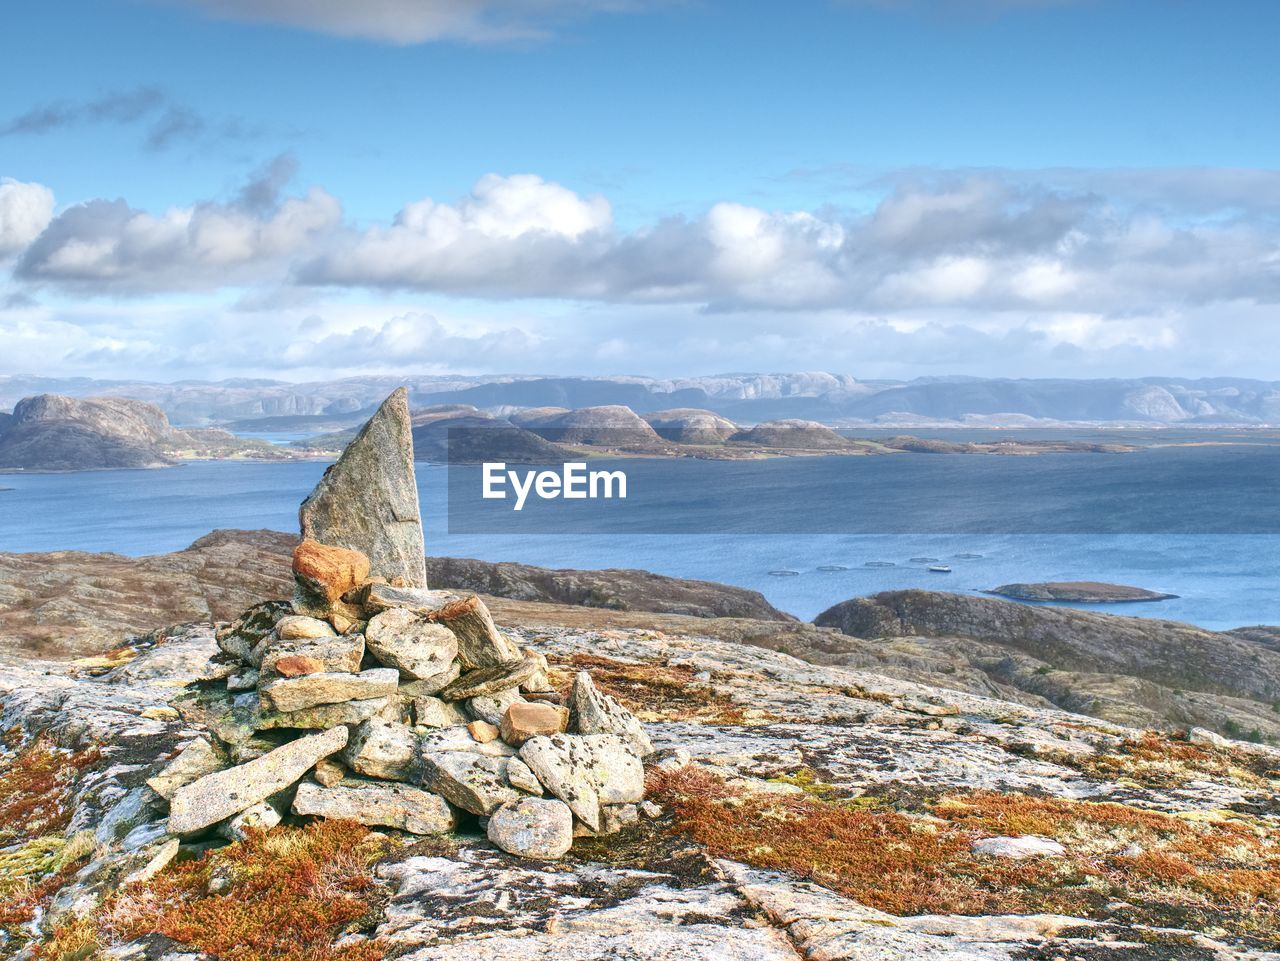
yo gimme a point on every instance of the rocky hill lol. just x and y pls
(687, 425)
(460, 434)
(1130, 669)
(612, 426)
(72, 603)
(793, 435)
(55, 433)
(619, 590)
(68, 604)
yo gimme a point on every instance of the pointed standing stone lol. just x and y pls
(368, 500)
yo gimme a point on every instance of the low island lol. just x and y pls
(1081, 592)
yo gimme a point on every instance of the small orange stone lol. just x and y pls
(524, 720)
(296, 665)
(328, 571)
(483, 731)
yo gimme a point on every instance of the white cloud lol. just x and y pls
(25, 210)
(413, 21)
(512, 236)
(167, 340)
(106, 245)
(971, 268)
(415, 338)
(972, 241)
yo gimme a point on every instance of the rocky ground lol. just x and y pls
(804, 812)
(76, 603)
(1132, 670)
(1128, 670)
(73, 603)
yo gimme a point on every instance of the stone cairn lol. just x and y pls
(372, 698)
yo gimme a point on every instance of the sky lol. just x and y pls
(306, 189)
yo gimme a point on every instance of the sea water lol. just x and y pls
(1224, 567)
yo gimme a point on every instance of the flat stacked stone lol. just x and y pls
(372, 698)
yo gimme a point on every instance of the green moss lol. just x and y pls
(29, 862)
(807, 781)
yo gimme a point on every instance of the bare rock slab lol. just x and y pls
(192, 763)
(591, 711)
(311, 690)
(261, 817)
(300, 627)
(375, 804)
(383, 749)
(418, 648)
(329, 772)
(293, 658)
(490, 680)
(368, 500)
(533, 828)
(522, 779)
(430, 711)
(243, 634)
(324, 716)
(474, 782)
(491, 707)
(1019, 847)
(586, 771)
(480, 643)
(375, 597)
(223, 794)
(449, 739)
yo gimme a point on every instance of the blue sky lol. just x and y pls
(995, 187)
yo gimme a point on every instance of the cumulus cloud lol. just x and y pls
(414, 21)
(108, 246)
(166, 122)
(25, 211)
(979, 240)
(1065, 261)
(513, 236)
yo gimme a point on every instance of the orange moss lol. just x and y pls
(291, 892)
(1175, 871)
(997, 813)
(1161, 760)
(23, 905)
(35, 790)
(885, 859)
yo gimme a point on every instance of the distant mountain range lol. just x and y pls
(53, 432)
(746, 399)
